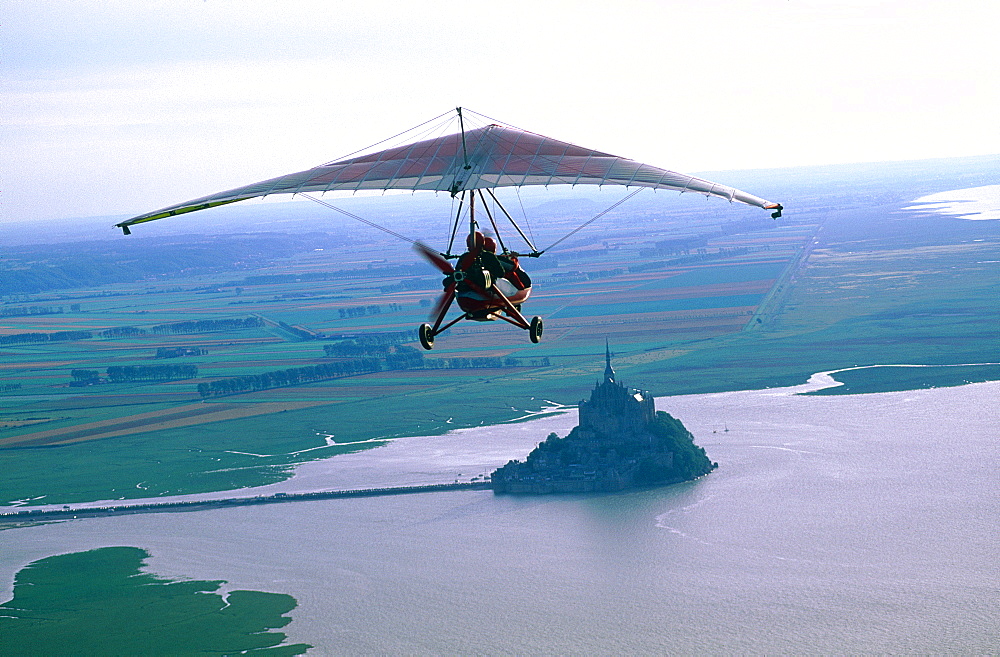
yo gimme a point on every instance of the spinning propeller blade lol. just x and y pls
(434, 258)
(443, 302)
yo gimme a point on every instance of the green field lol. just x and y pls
(847, 278)
(90, 603)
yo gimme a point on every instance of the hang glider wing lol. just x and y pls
(489, 157)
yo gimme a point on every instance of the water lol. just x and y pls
(976, 203)
(838, 524)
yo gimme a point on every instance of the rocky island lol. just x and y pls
(622, 442)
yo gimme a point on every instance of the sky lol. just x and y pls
(118, 107)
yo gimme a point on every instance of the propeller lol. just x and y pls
(434, 258)
(443, 301)
(438, 261)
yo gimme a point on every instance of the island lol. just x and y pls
(622, 442)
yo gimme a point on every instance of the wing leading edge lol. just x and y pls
(492, 156)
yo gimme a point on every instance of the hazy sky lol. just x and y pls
(119, 107)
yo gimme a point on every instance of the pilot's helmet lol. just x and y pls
(489, 244)
(474, 240)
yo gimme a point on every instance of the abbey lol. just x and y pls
(621, 442)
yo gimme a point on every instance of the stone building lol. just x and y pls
(621, 442)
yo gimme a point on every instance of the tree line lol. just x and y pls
(298, 331)
(123, 332)
(196, 326)
(85, 375)
(290, 377)
(177, 352)
(402, 357)
(206, 325)
(127, 373)
(122, 373)
(375, 358)
(370, 344)
(58, 336)
(493, 362)
(361, 311)
(27, 311)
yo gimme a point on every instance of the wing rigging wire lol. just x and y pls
(378, 143)
(590, 221)
(440, 128)
(536, 253)
(357, 218)
(497, 121)
(527, 224)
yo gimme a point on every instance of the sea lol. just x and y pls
(834, 524)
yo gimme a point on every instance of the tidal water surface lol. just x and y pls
(834, 524)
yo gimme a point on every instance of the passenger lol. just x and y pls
(490, 261)
(511, 268)
(487, 271)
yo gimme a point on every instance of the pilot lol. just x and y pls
(480, 263)
(482, 268)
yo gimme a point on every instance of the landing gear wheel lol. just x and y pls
(536, 329)
(426, 336)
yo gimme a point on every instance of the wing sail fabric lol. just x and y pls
(493, 156)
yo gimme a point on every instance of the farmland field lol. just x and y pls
(692, 297)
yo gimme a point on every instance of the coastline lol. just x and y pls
(35, 515)
(788, 462)
(459, 455)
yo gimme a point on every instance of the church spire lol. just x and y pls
(609, 372)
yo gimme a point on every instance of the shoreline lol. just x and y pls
(442, 452)
(822, 451)
(31, 515)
